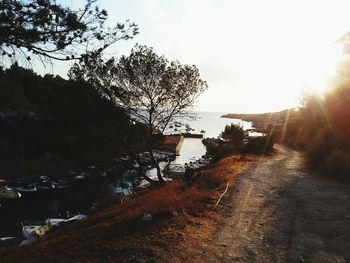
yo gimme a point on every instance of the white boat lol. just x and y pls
(33, 232)
(43, 186)
(7, 193)
(26, 189)
(61, 184)
(76, 218)
(81, 177)
(53, 222)
(45, 178)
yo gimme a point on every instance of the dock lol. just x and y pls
(192, 135)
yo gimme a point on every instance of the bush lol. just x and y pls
(258, 145)
(337, 164)
(234, 133)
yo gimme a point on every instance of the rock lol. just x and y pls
(147, 218)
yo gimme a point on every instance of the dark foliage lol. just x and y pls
(73, 125)
(259, 145)
(51, 31)
(326, 133)
(151, 89)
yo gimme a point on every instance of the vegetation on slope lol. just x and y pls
(73, 124)
(117, 232)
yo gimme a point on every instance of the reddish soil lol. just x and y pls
(180, 212)
(278, 212)
(275, 211)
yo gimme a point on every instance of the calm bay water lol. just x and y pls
(80, 199)
(212, 124)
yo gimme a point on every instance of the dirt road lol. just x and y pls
(277, 212)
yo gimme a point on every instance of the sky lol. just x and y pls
(256, 56)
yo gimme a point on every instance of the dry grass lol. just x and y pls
(222, 171)
(177, 209)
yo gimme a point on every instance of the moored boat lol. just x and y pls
(53, 222)
(7, 193)
(76, 218)
(43, 186)
(8, 241)
(33, 232)
(61, 184)
(26, 189)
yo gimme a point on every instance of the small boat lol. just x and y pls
(26, 189)
(33, 232)
(53, 222)
(3, 182)
(61, 184)
(76, 218)
(81, 177)
(8, 241)
(43, 186)
(45, 178)
(7, 193)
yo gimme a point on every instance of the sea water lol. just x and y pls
(79, 200)
(210, 124)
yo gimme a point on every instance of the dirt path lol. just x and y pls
(276, 212)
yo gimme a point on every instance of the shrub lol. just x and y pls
(258, 145)
(337, 164)
(234, 133)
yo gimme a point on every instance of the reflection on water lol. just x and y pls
(191, 150)
(210, 122)
(43, 206)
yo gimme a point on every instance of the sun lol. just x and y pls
(322, 71)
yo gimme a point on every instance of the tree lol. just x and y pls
(151, 89)
(11, 96)
(234, 133)
(51, 31)
(80, 133)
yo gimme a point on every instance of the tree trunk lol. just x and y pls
(155, 163)
(140, 169)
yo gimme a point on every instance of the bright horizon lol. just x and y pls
(257, 56)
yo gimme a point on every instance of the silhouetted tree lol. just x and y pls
(49, 30)
(324, 130)
(74, 124)
(151, 89)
